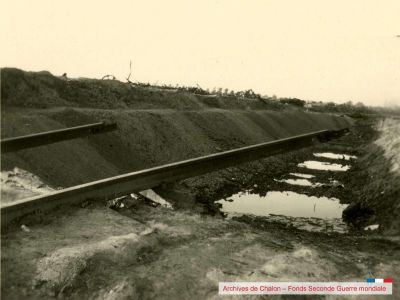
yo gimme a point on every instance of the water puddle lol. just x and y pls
(300, 210)
(321, 214)
(335, 156)
(335, 183)
(302, 175)
(282, 203)
(319, 165)
(372, 227)
(301, 182)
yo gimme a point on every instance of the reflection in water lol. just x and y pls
(319, 165)
(302, 182)
(302, 175)
(312, 224)
(335, 156)
(282, 203)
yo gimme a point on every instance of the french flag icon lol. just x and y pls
(379, 280)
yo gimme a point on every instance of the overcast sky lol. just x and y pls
(310, 49)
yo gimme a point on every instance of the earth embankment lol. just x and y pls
(154, 127)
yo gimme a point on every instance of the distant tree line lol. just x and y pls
(293, 101)
(344, 108)
(249, 94)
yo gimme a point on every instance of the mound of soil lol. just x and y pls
(151, 131)
(43, 90)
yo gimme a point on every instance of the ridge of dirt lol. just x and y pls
(43, 90)
(149, 138)
(143, 251)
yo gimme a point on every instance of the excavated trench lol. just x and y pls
(301, 210)
(268, 220)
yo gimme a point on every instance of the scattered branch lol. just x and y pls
(130, 72)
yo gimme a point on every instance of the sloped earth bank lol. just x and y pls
(140, 250)
(154, 127)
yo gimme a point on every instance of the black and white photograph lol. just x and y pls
(200, 149)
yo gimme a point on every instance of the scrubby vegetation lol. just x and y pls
(42, 89)
(352, 109)
(347, 107)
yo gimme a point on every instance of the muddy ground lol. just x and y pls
(146, 251)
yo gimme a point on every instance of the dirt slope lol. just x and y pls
(153, 128)
(380, 173)
(43, 90)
